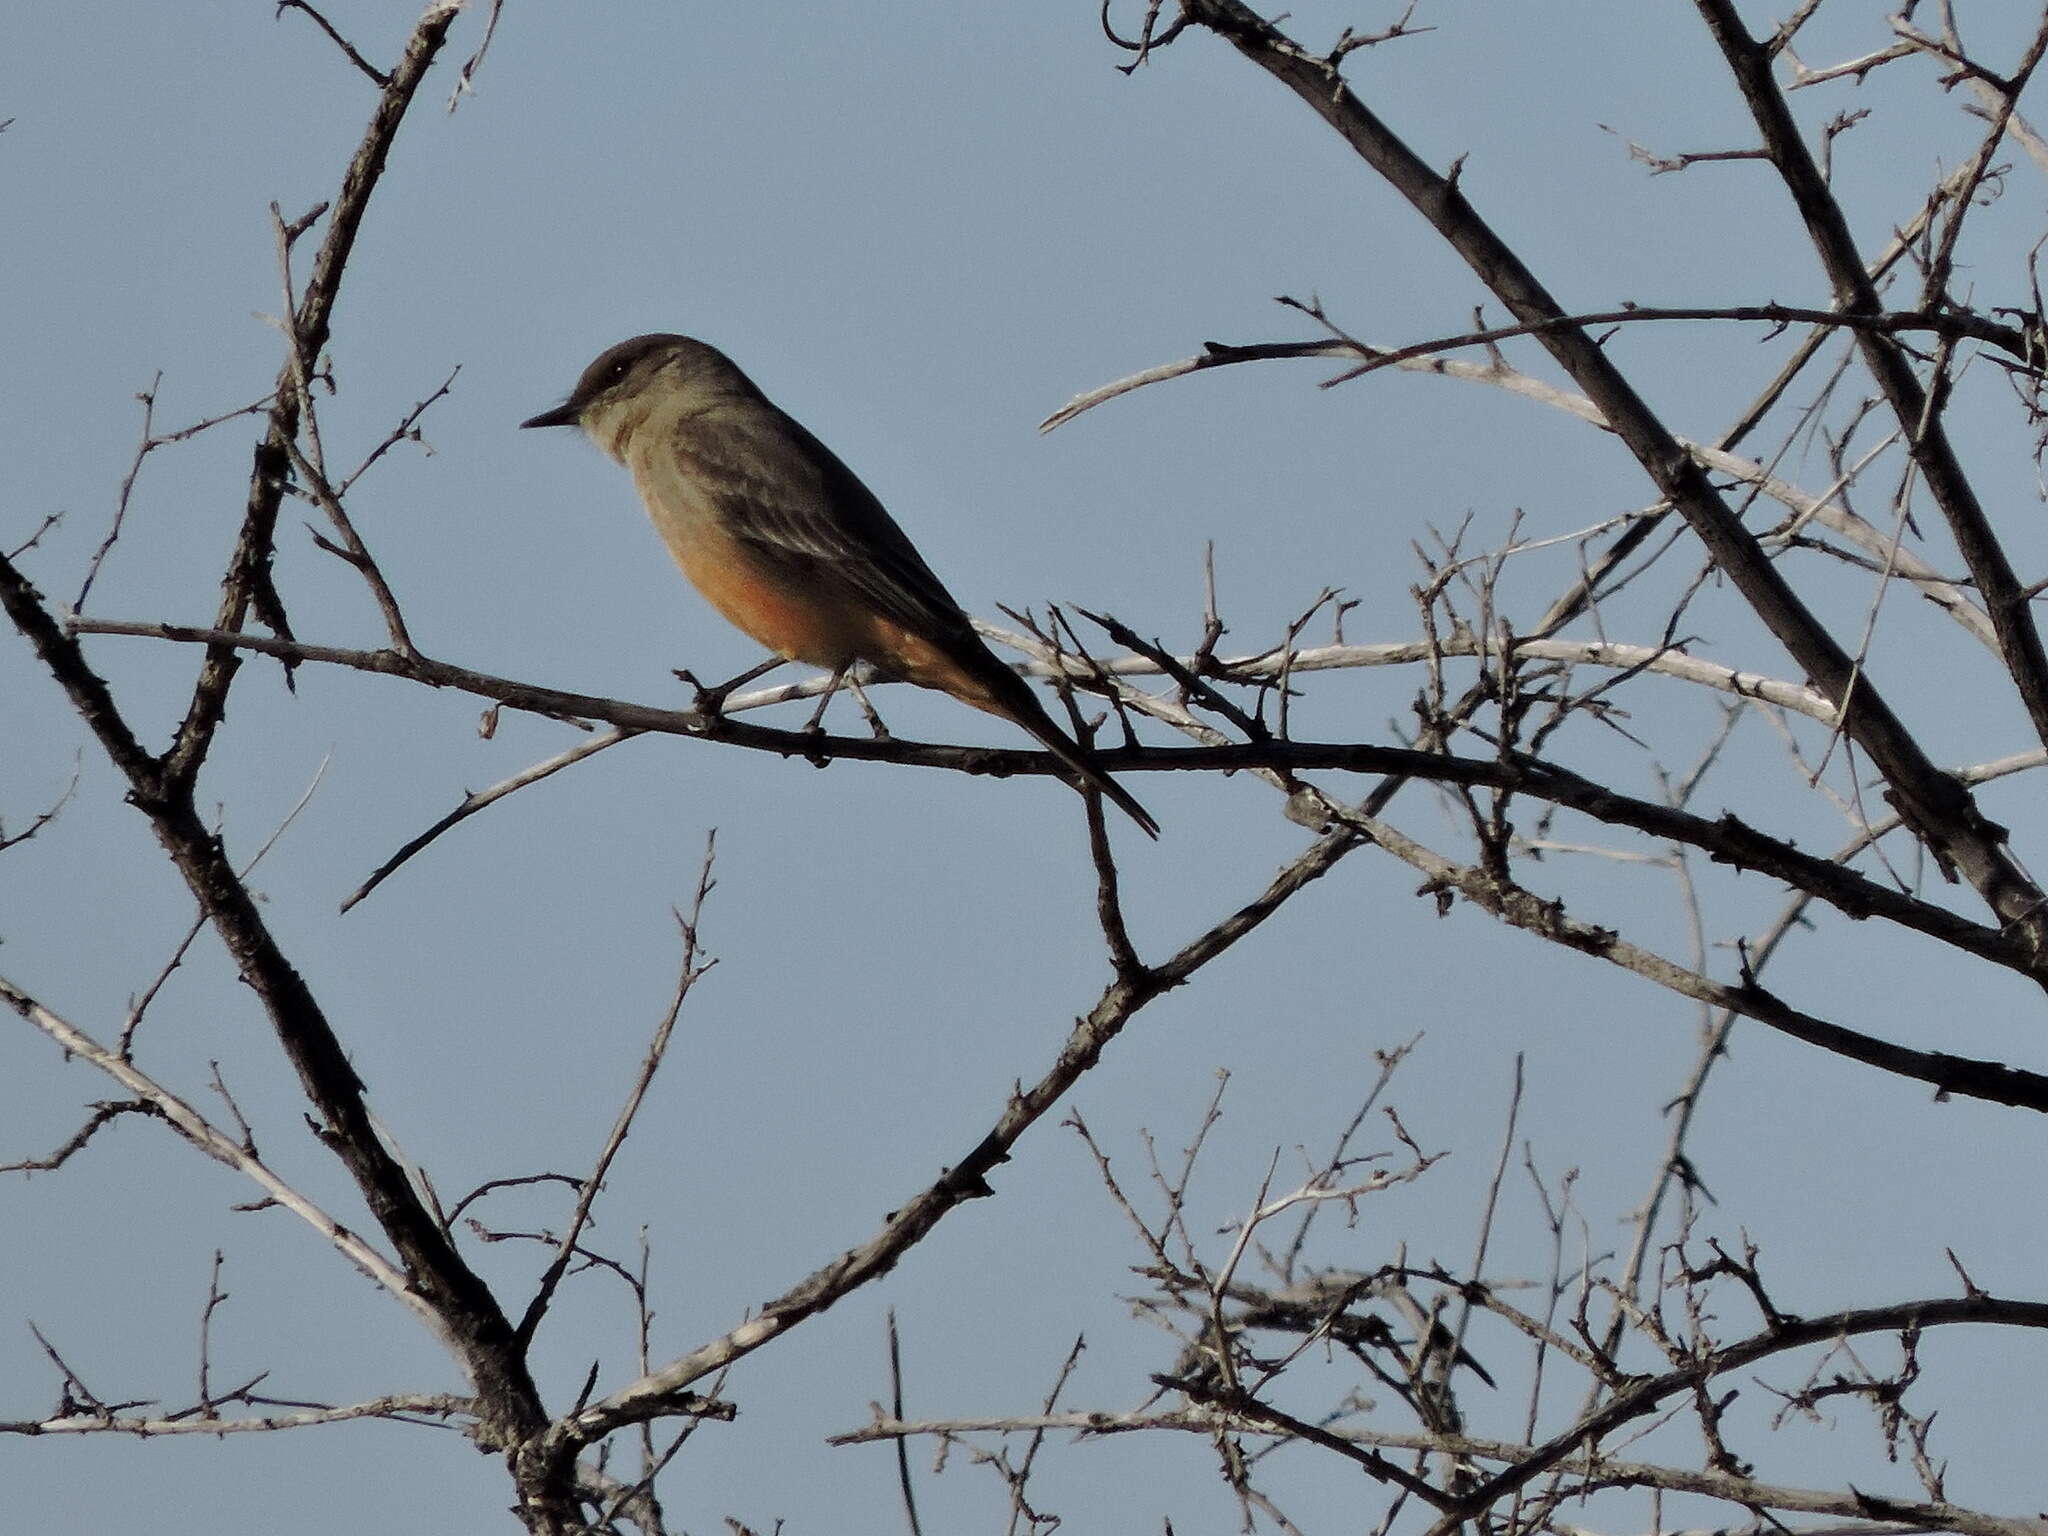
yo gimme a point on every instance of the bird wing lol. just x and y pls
(790, 497)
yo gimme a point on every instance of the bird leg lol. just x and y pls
(844, 677)
(860, 697)
(816, 724)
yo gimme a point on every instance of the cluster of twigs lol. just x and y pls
(1495, 707)
(1414, 1356)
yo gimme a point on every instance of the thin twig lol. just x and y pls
(692, 969)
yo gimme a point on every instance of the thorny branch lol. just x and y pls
(1525, 681)
(1940, 811)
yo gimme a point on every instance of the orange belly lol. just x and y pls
(802, 625)
(824, 626)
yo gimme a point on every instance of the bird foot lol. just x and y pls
(814, 746)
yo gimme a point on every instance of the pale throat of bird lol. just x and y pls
(614, 426)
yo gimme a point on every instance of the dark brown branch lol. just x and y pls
(1242, 1407)
(652, 1395)
(1494, 893)
(247, 582)
(903, 1480)
(472, 1325)
(383, 80)
(1605, 1472)
(2004, 601)
(1149, 36)
(1726, 839)
(1645, 1394)
(1940, 811)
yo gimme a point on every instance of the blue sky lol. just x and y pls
(921, 228)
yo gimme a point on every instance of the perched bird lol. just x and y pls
(785, 541)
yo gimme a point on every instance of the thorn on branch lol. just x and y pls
(298, 227)
(1970, 1287)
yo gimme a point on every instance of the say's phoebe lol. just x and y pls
(785, 541)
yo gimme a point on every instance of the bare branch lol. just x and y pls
(104, 1113)
(1492, 893)
(1911, 402)
(405, 1407)
(43, 818)
(478, 800)
(382, 80)
(967, 1180)
(693, 967)
(222, 1148)
(247, 582)
(1606, 1472)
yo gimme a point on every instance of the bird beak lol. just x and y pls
(563, 415)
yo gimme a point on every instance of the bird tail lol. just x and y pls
(971, 673)
(1023, 707)
(1092, 774)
